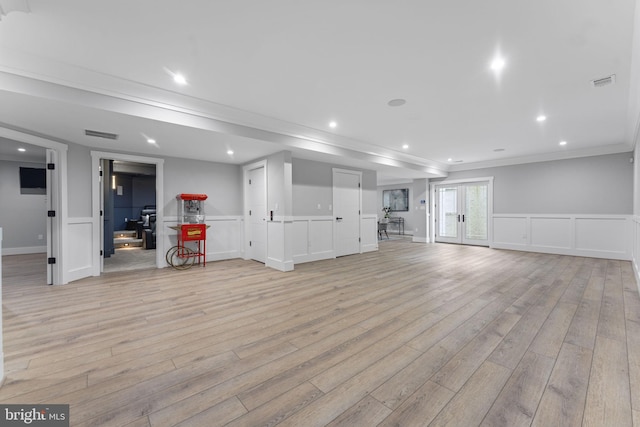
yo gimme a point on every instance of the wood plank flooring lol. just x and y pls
(411, 335)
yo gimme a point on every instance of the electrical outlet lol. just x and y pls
(319, 206)
(40, 237)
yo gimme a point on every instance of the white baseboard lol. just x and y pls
(318, 256)
(279, 265)
(370, 248)
(419, 239)
(563, 251)
(25, 250)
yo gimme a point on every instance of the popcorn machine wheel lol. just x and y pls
(190, 228)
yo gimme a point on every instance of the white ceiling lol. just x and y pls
(269, 76)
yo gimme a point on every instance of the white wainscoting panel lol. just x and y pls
(224, 236)
(551, 232)
(509, 230)
(635, 224)
(312, 238)
(598, 236)
(279, 238)
(369, 233)
(593, 234)
(79, 256)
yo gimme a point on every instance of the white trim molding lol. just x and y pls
(635, 235)
(95, 204)
(596, 236)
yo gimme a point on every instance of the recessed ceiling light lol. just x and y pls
(151, 140)
(396, 102)
(541, 118)
(230, 152)
(333, 125)
(563, 142)
(405, 146)
(449, 159)
(498, 64)
(22, 150)
(180, 79)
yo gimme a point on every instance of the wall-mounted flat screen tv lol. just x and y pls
(33, 181)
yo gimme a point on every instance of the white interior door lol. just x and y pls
(257, 214)
(346, 209)
(462, 213)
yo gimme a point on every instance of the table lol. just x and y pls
(399, 221)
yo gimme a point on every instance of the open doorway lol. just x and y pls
(125, 235)
(129, 215)
(25, 203)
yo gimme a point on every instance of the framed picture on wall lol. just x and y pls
(397, 200)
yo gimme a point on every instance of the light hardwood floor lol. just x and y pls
(411, 335)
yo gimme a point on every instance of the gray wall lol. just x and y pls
(313, 186)
(222, 183)
(587, 185)
(419, 219)
(408, 215)
(22, 216)
(279, 191)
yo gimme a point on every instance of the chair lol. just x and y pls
(382, 226)
(149, 233)
(146, 227)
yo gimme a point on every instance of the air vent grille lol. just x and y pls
(605, 81)
(98, 134)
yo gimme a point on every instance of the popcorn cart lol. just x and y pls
(190, 228)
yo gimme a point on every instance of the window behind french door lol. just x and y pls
(462, 213)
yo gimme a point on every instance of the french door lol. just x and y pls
(462, 213)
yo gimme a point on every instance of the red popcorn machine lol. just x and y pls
(191, 228)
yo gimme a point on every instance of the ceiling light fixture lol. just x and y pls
(151, 141)
(396, 102)
(230, 152)
(449, 159)
(498, 64)
(179, 79)
(22, 150)
(333, 125)
(563, 143)
(541, 118)
(405, 146)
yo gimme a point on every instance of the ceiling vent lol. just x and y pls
(98, 134)
(605, 81)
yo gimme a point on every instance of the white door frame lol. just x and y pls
(57, 239)
(95, 204)
(433, 198)
(247, 220)
(335, 227)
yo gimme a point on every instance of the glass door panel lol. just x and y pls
(475, 214)
(448, 217)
